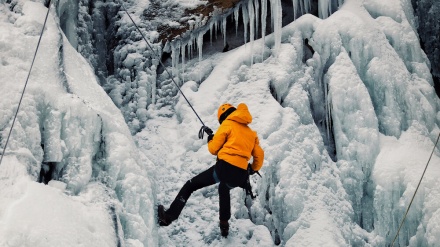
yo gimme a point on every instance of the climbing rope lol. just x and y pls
(415, 192)
(25, 85)
(160, 61)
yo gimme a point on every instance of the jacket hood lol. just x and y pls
(241, 115)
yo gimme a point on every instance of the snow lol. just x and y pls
(81, 130)
(400, 165)
(190, 4)
(347, 124)
(54, 218)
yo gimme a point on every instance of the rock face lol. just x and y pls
(184, 20)
(428, 18)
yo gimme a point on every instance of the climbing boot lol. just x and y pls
(162, 216)
(224, 228)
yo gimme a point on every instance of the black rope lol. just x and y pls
(25, 85)
(160, 61)
(412, 199)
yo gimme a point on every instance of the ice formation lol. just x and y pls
(67, 119)
(343, 103)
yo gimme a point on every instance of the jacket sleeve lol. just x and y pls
(258, 155)
(219, 139)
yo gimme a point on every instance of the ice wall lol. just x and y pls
(428, 26)
(357, 93)
(360, 76)
(66, 118)
(103, 34)
(356, 131)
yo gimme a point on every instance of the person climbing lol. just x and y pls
(234, 143)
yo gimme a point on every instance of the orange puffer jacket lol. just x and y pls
(234, 142)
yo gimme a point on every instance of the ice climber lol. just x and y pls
(234, 143)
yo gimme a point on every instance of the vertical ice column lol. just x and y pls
(295, 8)
(68, 13)
(307, 6)
(251, 12)
(215, 28)
(324, 8)
(200, 45)
(277, 23)
(155, 62)
(263, 22)
(257, 12)
(210, 32)
(224, 21)
(245, 21)
(236, 16)
(200, 49)
(174, 57)
(182, 51)
(190, 46)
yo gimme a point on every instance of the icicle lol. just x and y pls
(272, 15)
(327, 110)
(153, 81)
(224, 21)
(329, 8)
(189, 47)
(263, 22)
(173, 59)
(245, 21)
(307, 6)
(189, 50)
(200, 45)
(210, 32)
(277, 23)
(295, 9)
(257, 12)
(236, 16)
(215, 28)
(193, 45)
(324, 8)
(182, 53)
(252, 26)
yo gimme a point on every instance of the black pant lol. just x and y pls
(229, 177)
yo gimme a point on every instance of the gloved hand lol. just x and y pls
(206, 130)
(251, 171)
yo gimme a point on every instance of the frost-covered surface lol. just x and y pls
(347, 124)
(366, 79)
(68, 119)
